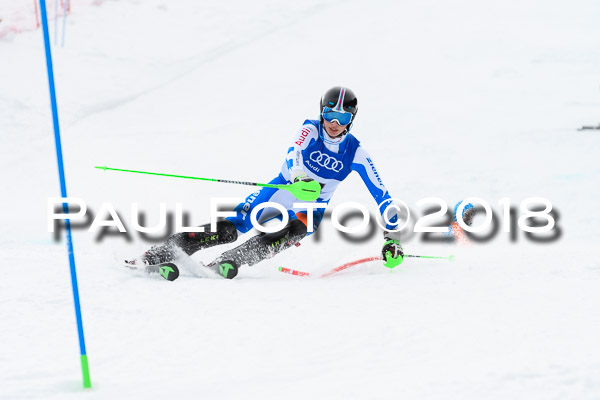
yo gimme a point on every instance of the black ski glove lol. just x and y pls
(392, 252)
(302, 177)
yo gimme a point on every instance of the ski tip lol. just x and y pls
(102, 168)
(280, 269)
(451, 257)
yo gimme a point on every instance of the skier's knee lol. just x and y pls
(191, 242)
(317, 218)
(300, 216)
(297, 227)
(294, 230)
(227, 231)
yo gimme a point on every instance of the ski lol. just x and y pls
(227, 269)
(168, 270)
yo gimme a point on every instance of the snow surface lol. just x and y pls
(463, 98)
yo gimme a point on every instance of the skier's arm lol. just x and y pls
(366, 169)
(392, 250)
(295, 162)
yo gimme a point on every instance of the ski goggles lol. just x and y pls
(341, 117)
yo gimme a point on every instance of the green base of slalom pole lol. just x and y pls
(85, 369)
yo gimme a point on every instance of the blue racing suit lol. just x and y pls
(328, 163)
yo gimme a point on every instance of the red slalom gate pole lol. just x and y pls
(37, 14)
(333, 271)
(353, 263)
(293, 271)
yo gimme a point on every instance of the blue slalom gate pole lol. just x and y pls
(63, 191)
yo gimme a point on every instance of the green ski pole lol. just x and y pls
(305, 191)
(449, 258)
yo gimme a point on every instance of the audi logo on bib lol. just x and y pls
(326, 161)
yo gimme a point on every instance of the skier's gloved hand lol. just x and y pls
(392, 252)
(468, 212)
(301, 176)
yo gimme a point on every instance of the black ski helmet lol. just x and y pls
(348, 100)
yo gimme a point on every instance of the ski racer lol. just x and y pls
(323, 150)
